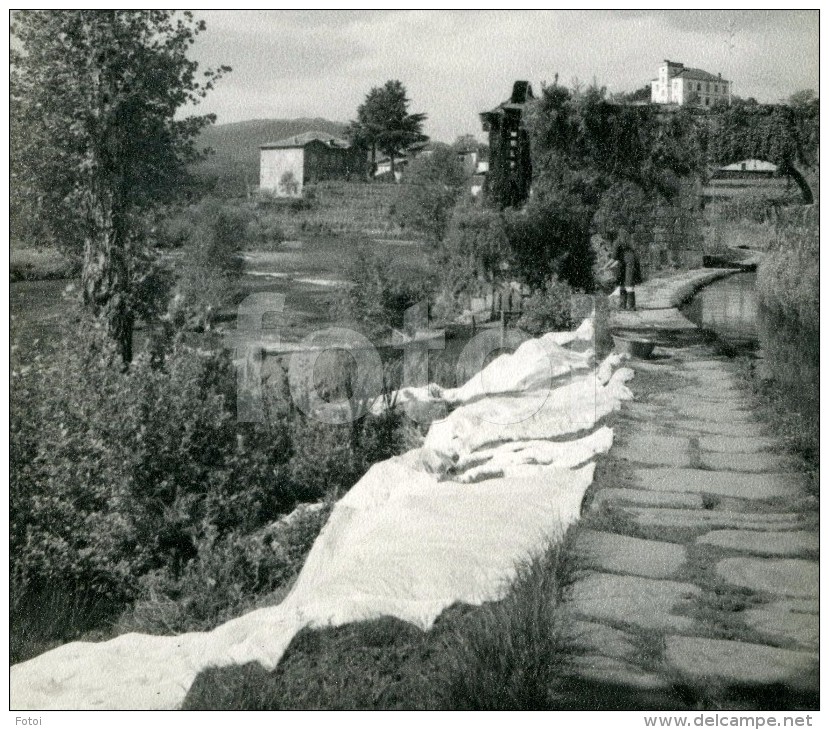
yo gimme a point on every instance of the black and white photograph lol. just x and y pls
(414, 360)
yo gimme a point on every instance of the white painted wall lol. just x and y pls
(273, 164)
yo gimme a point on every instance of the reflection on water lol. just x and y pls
(729, 308)
(787, 355)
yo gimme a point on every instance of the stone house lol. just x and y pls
(677, 84)
(286, 166)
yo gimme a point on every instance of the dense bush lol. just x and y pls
(788, 278)
(550, 238)
(211, 262)
(430, 188)
(548, 309)
(141, 485)
(380, 294)
(474, 249)
(227, 576)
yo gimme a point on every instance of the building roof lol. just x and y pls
(751, 165)
(697, 74)
(300, 140)
(522, 92)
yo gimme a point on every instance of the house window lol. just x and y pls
(707, 86)
(699, 87)
(716, 89)
(706, 101)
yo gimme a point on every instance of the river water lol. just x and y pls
(785, 355)
(729, 309)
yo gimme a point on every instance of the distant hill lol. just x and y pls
(235, 161)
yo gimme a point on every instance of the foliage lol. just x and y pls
(95, 136)
(431, 187)
(228, 576)
(474, 249)
(787, 135)
(384, 123)
(599, 142)
(548, 309)
(788, 278)
(380, 294)
(642, 94)
(551, 237)
(140, 485)
(211, 263)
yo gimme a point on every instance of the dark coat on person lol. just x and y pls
(629, 272)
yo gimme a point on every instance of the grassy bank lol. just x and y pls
(506, 655)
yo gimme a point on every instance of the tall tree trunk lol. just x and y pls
(391, 159)
(787, 168)
(105, 278)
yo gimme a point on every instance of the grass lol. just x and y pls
(339, 208)
(509, 654)
(55, 615)
(36, 264)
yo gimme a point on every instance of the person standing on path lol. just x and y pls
(629, 273)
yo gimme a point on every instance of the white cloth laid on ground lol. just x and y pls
(402, 542)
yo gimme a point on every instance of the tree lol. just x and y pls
(95, 138)
(384, 123)
(642, 94)
(432, 185)
(802, 97)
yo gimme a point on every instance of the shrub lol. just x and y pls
(430, 188)
(228, 576)
(474, 249)
(380, 294)
(115, 474)
(550, 237)
(548, 310)
(211, 263)
(788, 278)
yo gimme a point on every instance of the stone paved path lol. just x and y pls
(697, 567)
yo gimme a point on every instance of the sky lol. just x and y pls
(455, 64)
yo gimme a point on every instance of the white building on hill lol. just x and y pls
(677, 84)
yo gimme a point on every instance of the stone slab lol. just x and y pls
(741, 663)
(700, 427)
(656, 450)
(725, 483)
(779, 621)
(613, 553)
(605, 670)
(721, 365)
(644, 602)
(713, 410)
(783, 576)
(710, 518)
(756, 463)
(796, 542)
(595, 638)
(701, 393)
(735, 444)
(646, 498)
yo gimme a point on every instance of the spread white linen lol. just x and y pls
(441, 524)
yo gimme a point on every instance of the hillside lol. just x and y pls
(235, 160)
